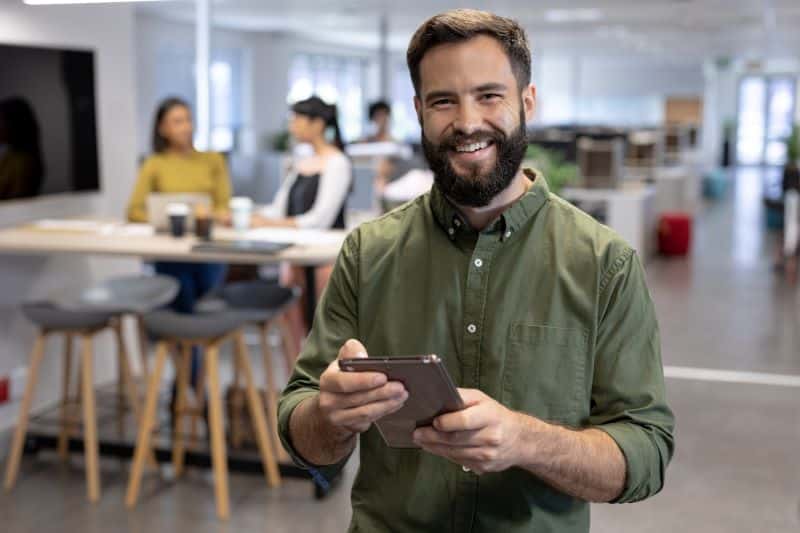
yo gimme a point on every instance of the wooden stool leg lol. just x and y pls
(257, 415)
(270, 393)
(146, 426)
(63, 434)
(142, 347)
(237, 402)
(199, 399)
(89, 420)
(219, 458)
(12, 468)
(182, 362)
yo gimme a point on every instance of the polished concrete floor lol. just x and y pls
(737, 466)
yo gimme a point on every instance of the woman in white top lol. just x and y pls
(314, 193)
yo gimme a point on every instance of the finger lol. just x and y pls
(471, 397)
(469, 457)
(352, 349)
(349, 382)
(461, 439)
(389, 391)
(369, 413)
(471, 418)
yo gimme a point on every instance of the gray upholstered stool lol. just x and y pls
(179, 333)
(83, 314)
(54, 319)
(134, 296)
(261, 304)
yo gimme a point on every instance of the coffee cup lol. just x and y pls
(241, 211)
(178, 215)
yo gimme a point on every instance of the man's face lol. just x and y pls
(473, 116)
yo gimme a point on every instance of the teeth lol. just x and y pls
(473, 147)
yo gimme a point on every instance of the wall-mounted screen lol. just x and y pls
(48, 126)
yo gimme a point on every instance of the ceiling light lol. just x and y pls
(572, 15)
(66, 2)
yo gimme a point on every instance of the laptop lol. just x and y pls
(157, 207)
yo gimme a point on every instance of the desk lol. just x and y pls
(114, 239)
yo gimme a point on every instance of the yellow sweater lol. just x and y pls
(198, 172)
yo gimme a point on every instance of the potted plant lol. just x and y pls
(551, 164)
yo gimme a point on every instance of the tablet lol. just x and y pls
(430, 393)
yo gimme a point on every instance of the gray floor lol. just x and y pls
(737, 467)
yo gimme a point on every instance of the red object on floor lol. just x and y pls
(675, 233)
(3, 390)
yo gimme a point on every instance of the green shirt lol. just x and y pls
(546, 311)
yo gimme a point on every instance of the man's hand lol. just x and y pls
(350, 402)
(483, 437)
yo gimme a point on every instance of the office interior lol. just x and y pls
(672, 122)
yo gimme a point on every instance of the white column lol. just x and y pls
(383, 57)
(202, 78)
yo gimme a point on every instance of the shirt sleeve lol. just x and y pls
(221, 195)
(333, 186)
(628, 393)
(335, 321)
(137, 205)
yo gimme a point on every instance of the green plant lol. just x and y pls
(280, 141)
(793, 145)
(551, 164)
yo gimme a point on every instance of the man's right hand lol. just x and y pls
(351, 401)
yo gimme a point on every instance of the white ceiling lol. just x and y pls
(684, 31)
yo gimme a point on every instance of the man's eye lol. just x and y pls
(442, 102)
(489, 97)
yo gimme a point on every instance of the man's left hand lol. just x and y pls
(483, 437)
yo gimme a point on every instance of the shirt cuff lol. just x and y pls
(285, 410)
(633, 445)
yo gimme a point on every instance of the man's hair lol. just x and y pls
(380, 105)
(463, 24)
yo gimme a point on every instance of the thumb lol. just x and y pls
(353, 349)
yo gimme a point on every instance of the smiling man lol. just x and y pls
(541, 315)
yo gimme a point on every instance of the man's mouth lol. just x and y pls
(472, 147)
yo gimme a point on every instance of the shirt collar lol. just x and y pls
(513, 218)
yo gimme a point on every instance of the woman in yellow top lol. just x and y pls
(176, 167)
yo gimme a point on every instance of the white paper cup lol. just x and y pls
(241, 210)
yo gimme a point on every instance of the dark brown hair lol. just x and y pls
(160, 143)
(463, 24)
(315, 107)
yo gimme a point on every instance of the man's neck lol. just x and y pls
(480, 217)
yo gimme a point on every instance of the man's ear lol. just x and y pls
(529, 101)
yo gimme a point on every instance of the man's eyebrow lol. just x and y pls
(492, 86)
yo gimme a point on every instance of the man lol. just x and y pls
(541, 315)
(379, 116)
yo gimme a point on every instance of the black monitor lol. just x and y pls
(48, 122)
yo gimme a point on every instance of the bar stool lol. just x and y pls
(262, 304)
(53, 319)
(179, 332)
(83, 314)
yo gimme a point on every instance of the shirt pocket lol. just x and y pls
(545, 372)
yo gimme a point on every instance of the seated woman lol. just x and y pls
(176, 167)
(314, 194)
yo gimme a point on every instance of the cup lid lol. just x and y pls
(240, 202)
(177, 209)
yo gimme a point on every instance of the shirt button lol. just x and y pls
(508, 234)
(466, 469)
(451, 231)
(472, 328)
(456, 223)
(478, 263)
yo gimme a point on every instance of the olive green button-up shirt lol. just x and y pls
(545, 311)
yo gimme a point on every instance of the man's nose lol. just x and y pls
(468, 120)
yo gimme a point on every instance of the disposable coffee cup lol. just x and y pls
(241, 210)
(178, 215)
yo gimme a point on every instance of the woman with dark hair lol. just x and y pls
(176, 167)
(21, 166)
(313, 194)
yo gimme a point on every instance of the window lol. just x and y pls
(405, 125)
(175, 77)
(337, 80)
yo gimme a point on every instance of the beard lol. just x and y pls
(477, 189)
